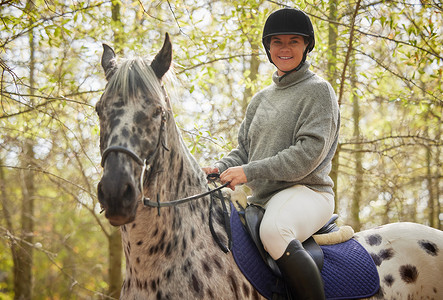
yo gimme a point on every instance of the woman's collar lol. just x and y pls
(291, 78)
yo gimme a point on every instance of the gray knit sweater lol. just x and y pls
(288, 137)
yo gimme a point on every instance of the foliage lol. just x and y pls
(219, 65)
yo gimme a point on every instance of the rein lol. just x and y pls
(147, 202)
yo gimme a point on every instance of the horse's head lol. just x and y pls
(132, 111)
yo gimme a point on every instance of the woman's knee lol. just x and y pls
(273, 232)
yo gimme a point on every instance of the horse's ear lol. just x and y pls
(162, 60)
(108, 61)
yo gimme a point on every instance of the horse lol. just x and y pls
(170, 251)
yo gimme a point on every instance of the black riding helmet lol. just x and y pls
(289, 21)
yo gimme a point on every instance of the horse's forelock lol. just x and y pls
(132, 77)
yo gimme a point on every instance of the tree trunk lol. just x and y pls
(358, 168)
(332, 78)
(23, 252)
(8, 220)
(430, 186)
(254, 65)
(437, 176)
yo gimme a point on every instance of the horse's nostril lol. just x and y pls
(128, 191)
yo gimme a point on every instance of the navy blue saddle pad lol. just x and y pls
(348, 272)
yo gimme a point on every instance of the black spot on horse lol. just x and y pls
(137, 260)
(207, 269)
(192, 233)
(408, 273)
(197, 285)
(210, 293)
(139, 117)
(216, 261)
(255, 295)
(234, 286)
(153, 250)
(134, 140)
(125, 132)
(388, 280)
(114, 140)
(186, 266)
(185, 243)
(169, 273)
(180, 169)
(168, 250)
(162, 238)
(374, 239)
(159, 295)
(377, 260)
(118, 103)
(128, 248)
(429, 247)
(162, 246)
(139, 243)
(153, 286)
(139, 284)
(115, 122)
(386, 254)
(246, 289)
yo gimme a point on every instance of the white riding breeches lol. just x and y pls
(294, 213)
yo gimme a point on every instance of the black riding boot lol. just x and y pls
(301, 273)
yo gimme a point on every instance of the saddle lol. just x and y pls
(253, 216)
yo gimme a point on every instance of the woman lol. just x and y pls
(285, 147)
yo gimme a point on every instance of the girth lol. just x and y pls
(253, 216)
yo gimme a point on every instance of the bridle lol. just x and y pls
(146, 165)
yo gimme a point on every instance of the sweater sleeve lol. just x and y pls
(315, 135)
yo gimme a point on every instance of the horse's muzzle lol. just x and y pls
(117, 195)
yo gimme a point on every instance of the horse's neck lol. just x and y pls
(180, 174)
(153, 239)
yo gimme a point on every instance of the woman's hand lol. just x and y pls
(210, 170)
(235, 176)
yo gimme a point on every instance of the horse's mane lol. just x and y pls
(132, 76)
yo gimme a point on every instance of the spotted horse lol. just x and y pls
(170, 251)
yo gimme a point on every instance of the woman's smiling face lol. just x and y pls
(287, 51)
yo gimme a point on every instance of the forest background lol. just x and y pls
(383, 58)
